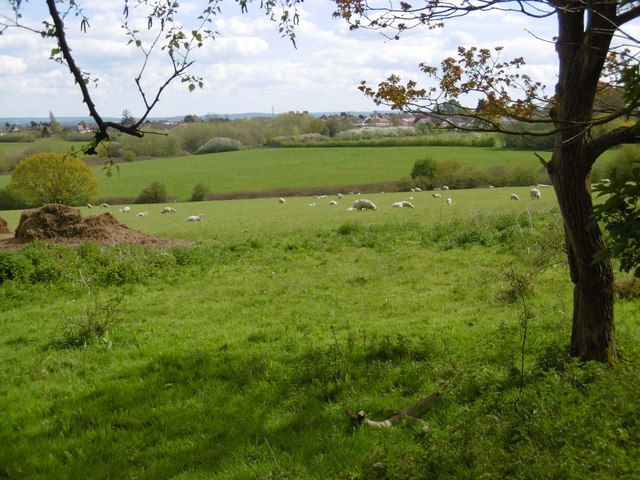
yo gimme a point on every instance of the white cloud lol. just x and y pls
(12, 65)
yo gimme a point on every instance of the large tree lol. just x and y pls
(596, 57)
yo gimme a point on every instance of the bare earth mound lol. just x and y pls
(66, 226)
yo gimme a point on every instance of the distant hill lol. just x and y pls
(230, 116)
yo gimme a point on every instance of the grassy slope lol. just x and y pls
(242, 369)
(258, 169)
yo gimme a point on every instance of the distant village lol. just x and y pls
(375, 119)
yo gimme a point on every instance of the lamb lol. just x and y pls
(449, 201)
(126, 209)
(514, 197)
(195, 218)
(364, 204)
(436, 195)
(168, 210)
(535, 194)
(282, 200)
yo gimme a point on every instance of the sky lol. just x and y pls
(249, 67)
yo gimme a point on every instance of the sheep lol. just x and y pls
(403, 204)
(333, 202)
(535, 194)
(514, 197)
(312, 204)
(436, 195)
(282, 200)
(126, 209)
(418, 189)
(340, 196)
(104, 205)
(449, 201)
(444, 187)
(168, 210)
(142, 214)
(89, 205)
(195, 218)
(364, 204)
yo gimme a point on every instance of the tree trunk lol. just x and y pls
(593, 327)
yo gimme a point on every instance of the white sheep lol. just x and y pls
(142, 214)
(403, 204)
(104, 205)
(535, 194)
(195, 218)
(418, 189)
(312, 204)
(340, 196)
(333, 202)
(514, 197)
(449, 201)
(89, 205)
(436, 195)
(126, 209)
(444, 187)
(282, 200)
(168, 210)
(364, 204)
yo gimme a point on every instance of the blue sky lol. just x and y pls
(250, 67)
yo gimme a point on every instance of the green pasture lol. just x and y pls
(267, 168)
(256, 217)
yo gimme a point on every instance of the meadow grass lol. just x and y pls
(267, 168)
(235, 358)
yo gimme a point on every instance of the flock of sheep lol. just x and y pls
(192, 218)
(364, 204)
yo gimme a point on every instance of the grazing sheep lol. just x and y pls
(364, 204)
(89, 205)
(413, 189)
(168, 210)
(535, 194)
(142, 214)
(340, 196)
(514, 197)
(195, 218)
(418, 189)
(436, 195)
(126, 209)
(449, 201)
(444, 187)
(333, 202)
(312, 204)
(403, 204)
(104, 205)
(282, 200)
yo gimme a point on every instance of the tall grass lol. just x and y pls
(236, 357)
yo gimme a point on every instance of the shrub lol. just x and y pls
(14, 266)
(219, 144)
(53, 178)
(154, 193)
(199, 192)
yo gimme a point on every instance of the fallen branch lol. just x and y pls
(412, 411)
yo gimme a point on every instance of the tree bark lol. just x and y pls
(593, 326)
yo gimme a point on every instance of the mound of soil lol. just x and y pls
(67, 226)
(4, 226)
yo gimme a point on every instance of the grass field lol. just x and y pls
(267, 168)
(235, 358)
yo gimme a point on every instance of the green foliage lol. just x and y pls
(14, 266)
(199, 193)
(424, 171)
(620, 214)
(53, 178)
(9, 202)
(127, 119)
(219, 144)
(154, 193)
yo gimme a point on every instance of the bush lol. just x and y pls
(199, 191)
(219, 144)
(9, 202)
(154, 193)
(53, 178)
(14, 266)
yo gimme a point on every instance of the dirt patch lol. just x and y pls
(67, 226)
(4, 227)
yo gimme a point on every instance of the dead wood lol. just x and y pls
(412, 411)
